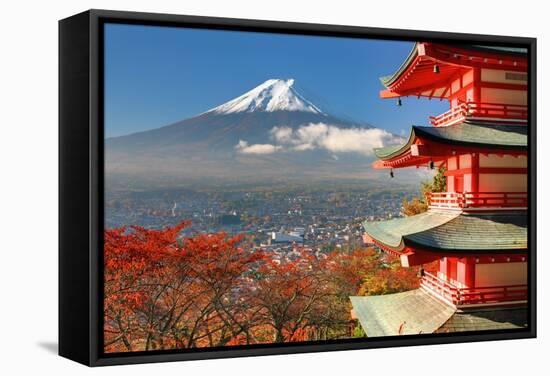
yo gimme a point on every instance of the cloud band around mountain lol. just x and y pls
(245, 148)
(322, 136)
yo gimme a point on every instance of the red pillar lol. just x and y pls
(477, 85)
(466, 271)
(475, 172)
(443, 268)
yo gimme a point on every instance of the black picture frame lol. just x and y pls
(81, 185)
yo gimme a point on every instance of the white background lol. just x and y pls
(28, 189)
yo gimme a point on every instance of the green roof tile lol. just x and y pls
(389, 79)
(466, 321)
(414, 311)
(473, 133)
(417, 312)
(453, 232)
(507, 50)
(469, 133)
(391, 232)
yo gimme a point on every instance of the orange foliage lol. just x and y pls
(209, 290)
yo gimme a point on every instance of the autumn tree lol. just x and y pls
(137, 262)
(419, 205)
(287, 290)
(162, 291)
(223, 271)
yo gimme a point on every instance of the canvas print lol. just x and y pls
(263, 189)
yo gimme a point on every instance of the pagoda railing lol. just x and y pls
(478, 200)
(481, 110)
(460, 296)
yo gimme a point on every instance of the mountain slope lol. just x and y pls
(272, 95)
(210, 145)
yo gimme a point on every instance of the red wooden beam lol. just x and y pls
(415, 259)
(388, 94)
(475, 82)
(502, 85)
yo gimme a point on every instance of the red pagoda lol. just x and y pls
(477, 230)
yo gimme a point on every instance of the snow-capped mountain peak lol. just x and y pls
(272, 95)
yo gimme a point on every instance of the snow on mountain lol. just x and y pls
(272, 95)
(270, 132)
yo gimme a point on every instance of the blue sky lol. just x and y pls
(155, 76)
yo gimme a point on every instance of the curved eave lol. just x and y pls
(452, 233)
(391, 234)
(415, 75)
(517, 52)
(465, 251)
(475, 135)
(392, 151)
(388, 80)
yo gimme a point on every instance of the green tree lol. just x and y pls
(419, 205)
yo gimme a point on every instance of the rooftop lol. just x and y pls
(417, 312)
(481, 134)
(511, 318)
(418, 67)
(411, 312)
(457, 232)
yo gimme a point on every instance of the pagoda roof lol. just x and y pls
(418, 312)
(516, 51)
(415, 76)
(414, 312)
(452, 232)
(461, 321)
(389, 79)
(469, 133)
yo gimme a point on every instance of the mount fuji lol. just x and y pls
(273, 95)
(271, 132)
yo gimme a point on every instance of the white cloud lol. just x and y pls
(322, 136)
(245, 148)
(281, 134)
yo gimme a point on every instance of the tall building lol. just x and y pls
(477, 229)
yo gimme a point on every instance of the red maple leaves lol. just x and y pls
(209, 290)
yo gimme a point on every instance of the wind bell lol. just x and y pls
(399, 101)
(436, 68)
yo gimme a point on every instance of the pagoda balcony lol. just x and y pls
(470, 297)
(478, 200)
(484, 111)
